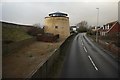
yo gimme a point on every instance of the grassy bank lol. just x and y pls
(13, 32)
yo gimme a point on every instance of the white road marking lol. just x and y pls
(91, 39)
(82, 43)
(93, 63)
(54, 50)
(106, 43)
(85, 49)
(81, 40)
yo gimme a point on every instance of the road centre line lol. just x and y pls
(82, 43)
(85, 49)
(93, 63)
(54, 50)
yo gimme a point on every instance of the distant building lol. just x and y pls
(94, 28)
(112, 28)
(73, 29)
(57, 23)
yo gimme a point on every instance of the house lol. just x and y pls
(94, 28)
(112, 28)
(73, 29)
(102, 31)
(58, 24)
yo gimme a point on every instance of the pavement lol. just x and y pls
(84, 59)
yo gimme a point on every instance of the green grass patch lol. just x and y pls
(14, 34)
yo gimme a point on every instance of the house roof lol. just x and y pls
(118, 29)
(73, 26)
(111, 23)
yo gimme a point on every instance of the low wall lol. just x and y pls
(44, 69)
(13, 47)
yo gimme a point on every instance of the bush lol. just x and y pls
(82, 29)
(90, 32)
(47, 37)
(35, 30)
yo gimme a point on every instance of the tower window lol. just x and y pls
(56, 27)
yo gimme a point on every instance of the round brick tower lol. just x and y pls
(57, 23)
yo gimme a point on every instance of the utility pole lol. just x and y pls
(97, 24)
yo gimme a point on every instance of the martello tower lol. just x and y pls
(57, 23)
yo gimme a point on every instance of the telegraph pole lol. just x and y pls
(97, 24)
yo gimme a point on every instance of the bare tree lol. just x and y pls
(82, 24)
(36, 29)
(37, 25)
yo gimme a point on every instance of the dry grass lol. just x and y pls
(20, 64)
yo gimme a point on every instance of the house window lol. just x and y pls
(56, 27)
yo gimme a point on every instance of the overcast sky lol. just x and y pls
(32, 12)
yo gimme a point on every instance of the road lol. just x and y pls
(84, 59)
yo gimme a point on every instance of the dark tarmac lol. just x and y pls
(84, 59)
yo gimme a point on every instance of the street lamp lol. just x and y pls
(97, 24)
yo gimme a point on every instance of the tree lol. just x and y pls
(37, 25)
(36, 29)
(82, 26)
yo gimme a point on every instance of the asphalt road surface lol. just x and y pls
(86, 60)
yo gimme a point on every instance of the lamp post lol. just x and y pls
(97, 24)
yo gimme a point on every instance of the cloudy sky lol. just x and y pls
(34, 11)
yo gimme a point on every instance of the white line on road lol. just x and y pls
(85, 49)
(54, 50)
(81, 40)
(82, 43)
(93, 63)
